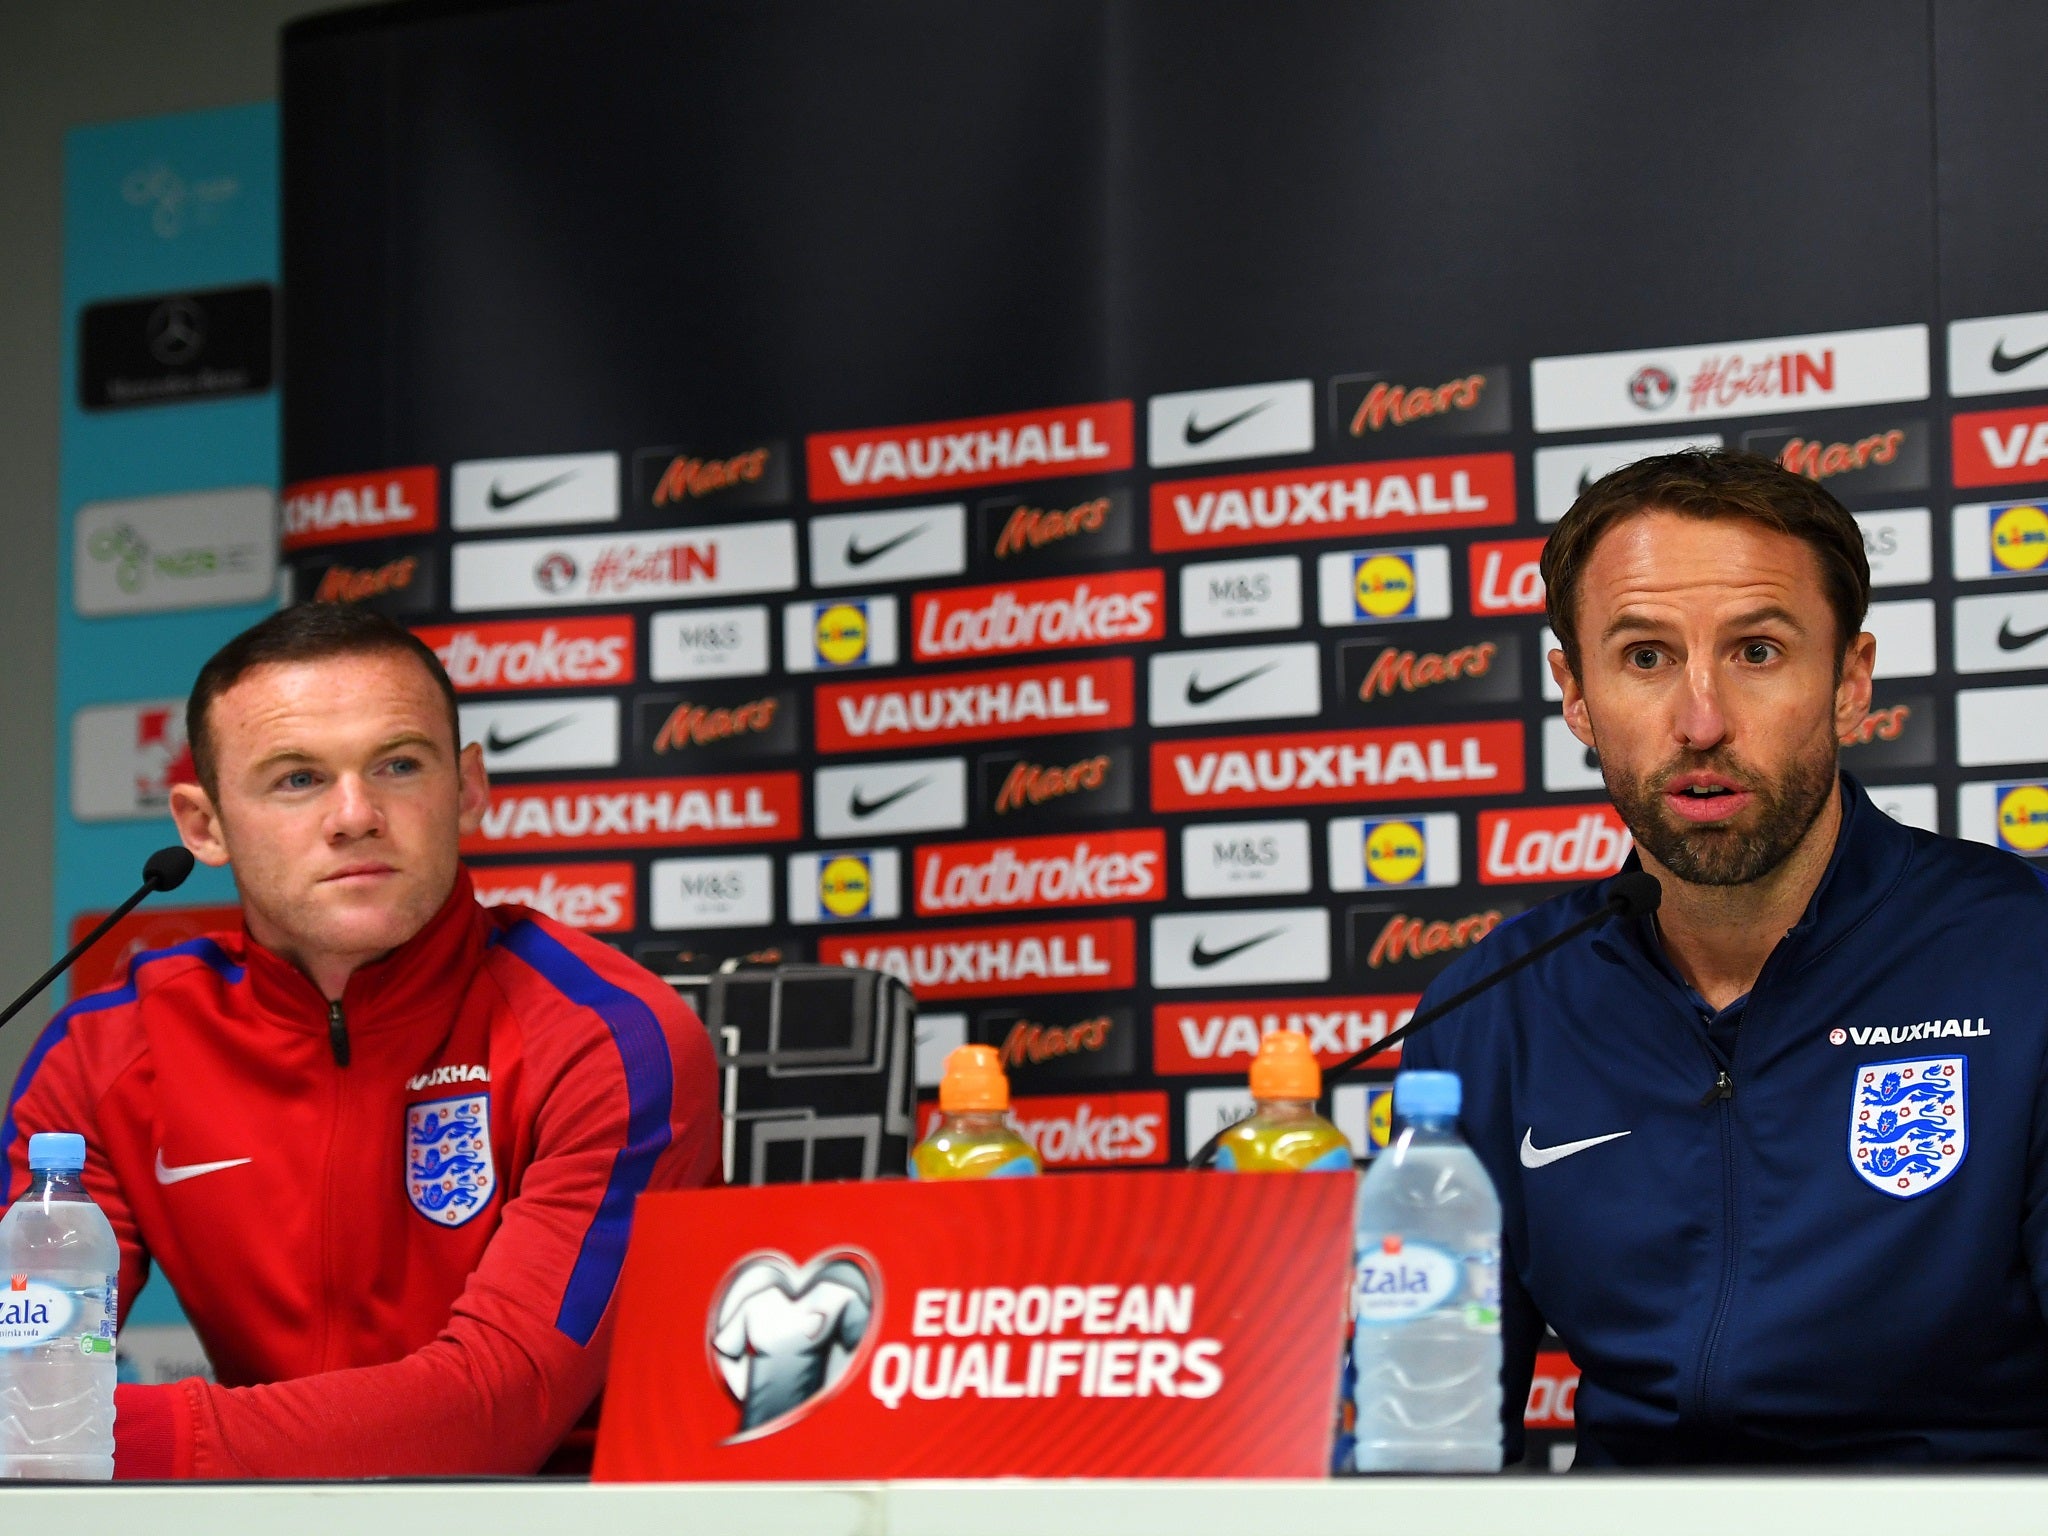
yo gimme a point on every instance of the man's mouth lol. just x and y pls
(352, 872)
(1706, 798)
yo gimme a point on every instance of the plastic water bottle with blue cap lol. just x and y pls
(60, 1269)
(1425, 1294)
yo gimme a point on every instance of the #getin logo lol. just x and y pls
(785, 1337)
(1383, 584)
(2019, 537)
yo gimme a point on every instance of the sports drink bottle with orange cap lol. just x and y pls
(1284, 1134)
(974, 1138)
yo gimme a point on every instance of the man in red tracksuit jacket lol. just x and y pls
(385, 1142)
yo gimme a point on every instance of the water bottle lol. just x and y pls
(974, 1138)
(59, 1273)
(1425, 1295)
(1284, 1134)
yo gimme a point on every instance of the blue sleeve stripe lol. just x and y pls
(54, 1032)
(650, 1096)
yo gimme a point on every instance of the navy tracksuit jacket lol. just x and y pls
(1840, 1254)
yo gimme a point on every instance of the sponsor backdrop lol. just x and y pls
(1045, 502)
(168, 518)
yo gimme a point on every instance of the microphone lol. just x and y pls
(164, 870)
(1634, 893)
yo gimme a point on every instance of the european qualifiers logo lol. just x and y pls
(1999, 538)
(720, 723)
(836, 634)
(1389, 407)
(850, 549)
(403, 586)
(173, 347)
(1422, 678)
(1085, 780)
(1897, 732)
(345, 508)
(670, 484)
(1027, 535)
(1399, 945)
(1878, 456)
(1059, 1042)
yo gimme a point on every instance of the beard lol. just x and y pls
(1783, 812)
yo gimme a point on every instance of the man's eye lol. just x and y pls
(298, 778)
(404, 765)
(1644, 657)
(1757, 652)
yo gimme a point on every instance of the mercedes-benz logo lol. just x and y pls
(177, 331)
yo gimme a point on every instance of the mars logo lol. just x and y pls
(757, 476)
(1369, 403)
(2023, 817)
(1652, 388)
(786, 1337)
(2019, 537)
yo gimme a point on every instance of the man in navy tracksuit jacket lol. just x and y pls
(1773, 1162)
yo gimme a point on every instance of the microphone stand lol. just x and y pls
(165, 870)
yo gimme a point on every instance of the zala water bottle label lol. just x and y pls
(31, 1312)
(1398, 1280)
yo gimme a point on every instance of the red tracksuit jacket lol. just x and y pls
(396, 1225)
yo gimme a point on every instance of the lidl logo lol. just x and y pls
(846, 886)
(1383, 584)
(1381, 853)
(841, 634)
(1394, 853)
(2023, 817)
(2019, 537)
(1379, 1117)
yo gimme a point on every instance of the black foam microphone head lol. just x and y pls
(1635, 893)
(166, 869)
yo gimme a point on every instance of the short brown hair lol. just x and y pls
(309, 632)
(1708, 484)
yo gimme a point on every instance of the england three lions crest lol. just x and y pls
(1909, 1123)
(449, 1175)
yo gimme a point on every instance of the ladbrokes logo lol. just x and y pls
(344, 507)
(1225, 1036)
(1039, 615)
(1421, 762)
(979, 450)
(665, 478)
(594, 897)
(1041, 872)
(1551, 842)
(1094, 1131)
(1367, 405)
(1089, 955)
(484, 658)
(2001, 447)
(975, 706)
(640, 813)
(1286, 505)
(1507, 576)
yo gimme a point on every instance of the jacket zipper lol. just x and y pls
(337, 1033)
(1723, 1094)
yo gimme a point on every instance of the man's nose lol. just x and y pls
(354, 811)
(1701, 721)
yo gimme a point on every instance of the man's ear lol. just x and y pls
(199, 824)
(1575, 714)
(475, 789)
(1852, 693)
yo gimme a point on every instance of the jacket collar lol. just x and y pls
(423, 979)
(1869, 860)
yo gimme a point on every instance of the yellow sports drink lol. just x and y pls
(1284, 1134)
(974, 1138)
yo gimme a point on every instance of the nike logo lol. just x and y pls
(496, 742)
(1195, 436)
(1197, 694)
(499, 500)
(855, 555)
(2008, 641)
(165, 1174)
(862, 809)
(2002, 362)
(1534, 1156)
(1202, 958)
